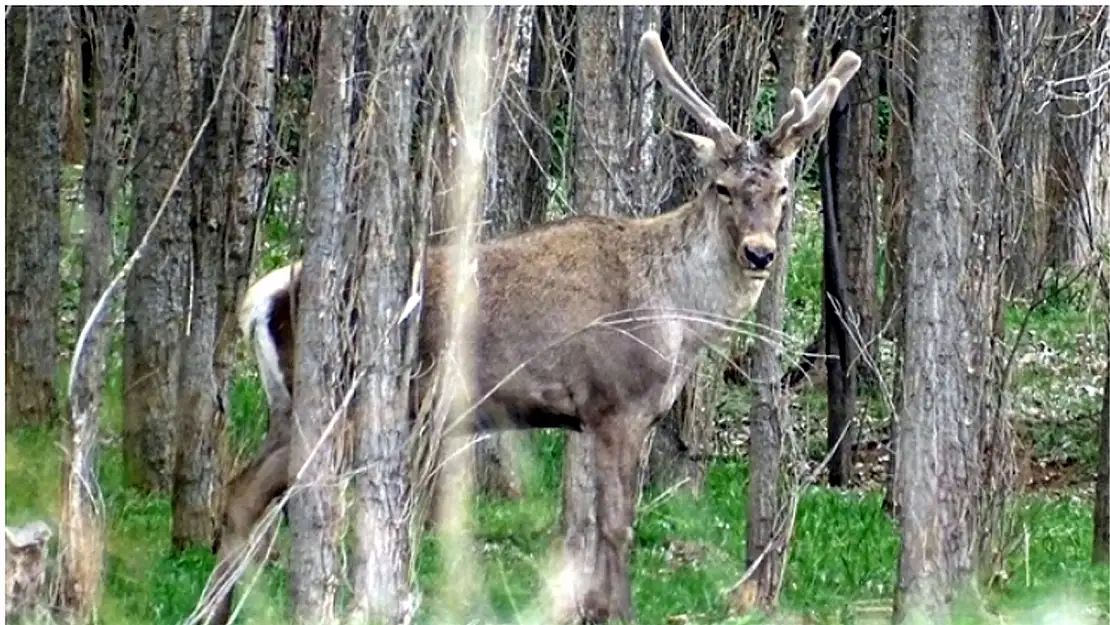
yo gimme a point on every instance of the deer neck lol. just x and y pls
(697, 271)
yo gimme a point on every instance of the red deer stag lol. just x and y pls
(597, 308)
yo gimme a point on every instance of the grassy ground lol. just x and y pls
(844, 556)
(686, 551)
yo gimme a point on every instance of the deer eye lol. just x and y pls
(723, 191)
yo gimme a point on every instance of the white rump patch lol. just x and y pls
(254, 318)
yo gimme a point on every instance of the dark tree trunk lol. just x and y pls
(35, 45)
(154, 305)
(383, 188)
(81, 535)
(613, 173)
(839, 313)
(770, 522)
(320, 376)
(947, 277)
(1100, 548)
(200, 408)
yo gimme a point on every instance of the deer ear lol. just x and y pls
(704, 147)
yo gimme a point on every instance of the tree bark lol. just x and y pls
(384, 188)
(320, 375)
(1076, 124)
(81, 535)
(154, 304)
(35, 47)
(1100, 547)
(839, 313)
(899, 87)
(200, 406)
(613, 173)
(770, 523)
(896, 166)
(946, 258)
(855, 167)
(71, 128)
(225, 212)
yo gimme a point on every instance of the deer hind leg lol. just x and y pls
(248, 495)
(617, 444)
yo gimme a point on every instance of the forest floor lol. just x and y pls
(687, 550)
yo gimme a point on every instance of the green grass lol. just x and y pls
(686, 550)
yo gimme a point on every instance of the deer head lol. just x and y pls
(747, 178)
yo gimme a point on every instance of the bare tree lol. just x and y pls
(770, 517)
(34, 50)
(154, 304)
(81, 536)
(239, 60)
(383, 192)
(1100, 547)
(319, 370)
(900, 72)
(613, 174)
(849, 187)
(947, 324)
(1080, 89)
(199, 410)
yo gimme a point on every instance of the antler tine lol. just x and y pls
(651, 47)
(806, 114)
(845, 67)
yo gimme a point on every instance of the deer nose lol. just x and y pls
(759, 256)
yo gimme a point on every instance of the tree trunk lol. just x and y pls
(839, 312)
(1100, 548)
(508, 167)
(81, 535)
(896, 166)
(946, 259)
(1078, 120)
(899, 87)
(35, 47)
(613, 173)
(71, 130)
(320, 377)
(856, 170)
(154, 306)
(200, 411)
(770, 523)
(384, 188)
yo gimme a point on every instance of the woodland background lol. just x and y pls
(203, 136)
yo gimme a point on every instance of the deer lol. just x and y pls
(583, 324)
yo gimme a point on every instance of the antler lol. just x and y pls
(651, 47)
(806, 114)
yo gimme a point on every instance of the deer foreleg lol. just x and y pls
(617, 462)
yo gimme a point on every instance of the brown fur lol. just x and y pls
(594, 323)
